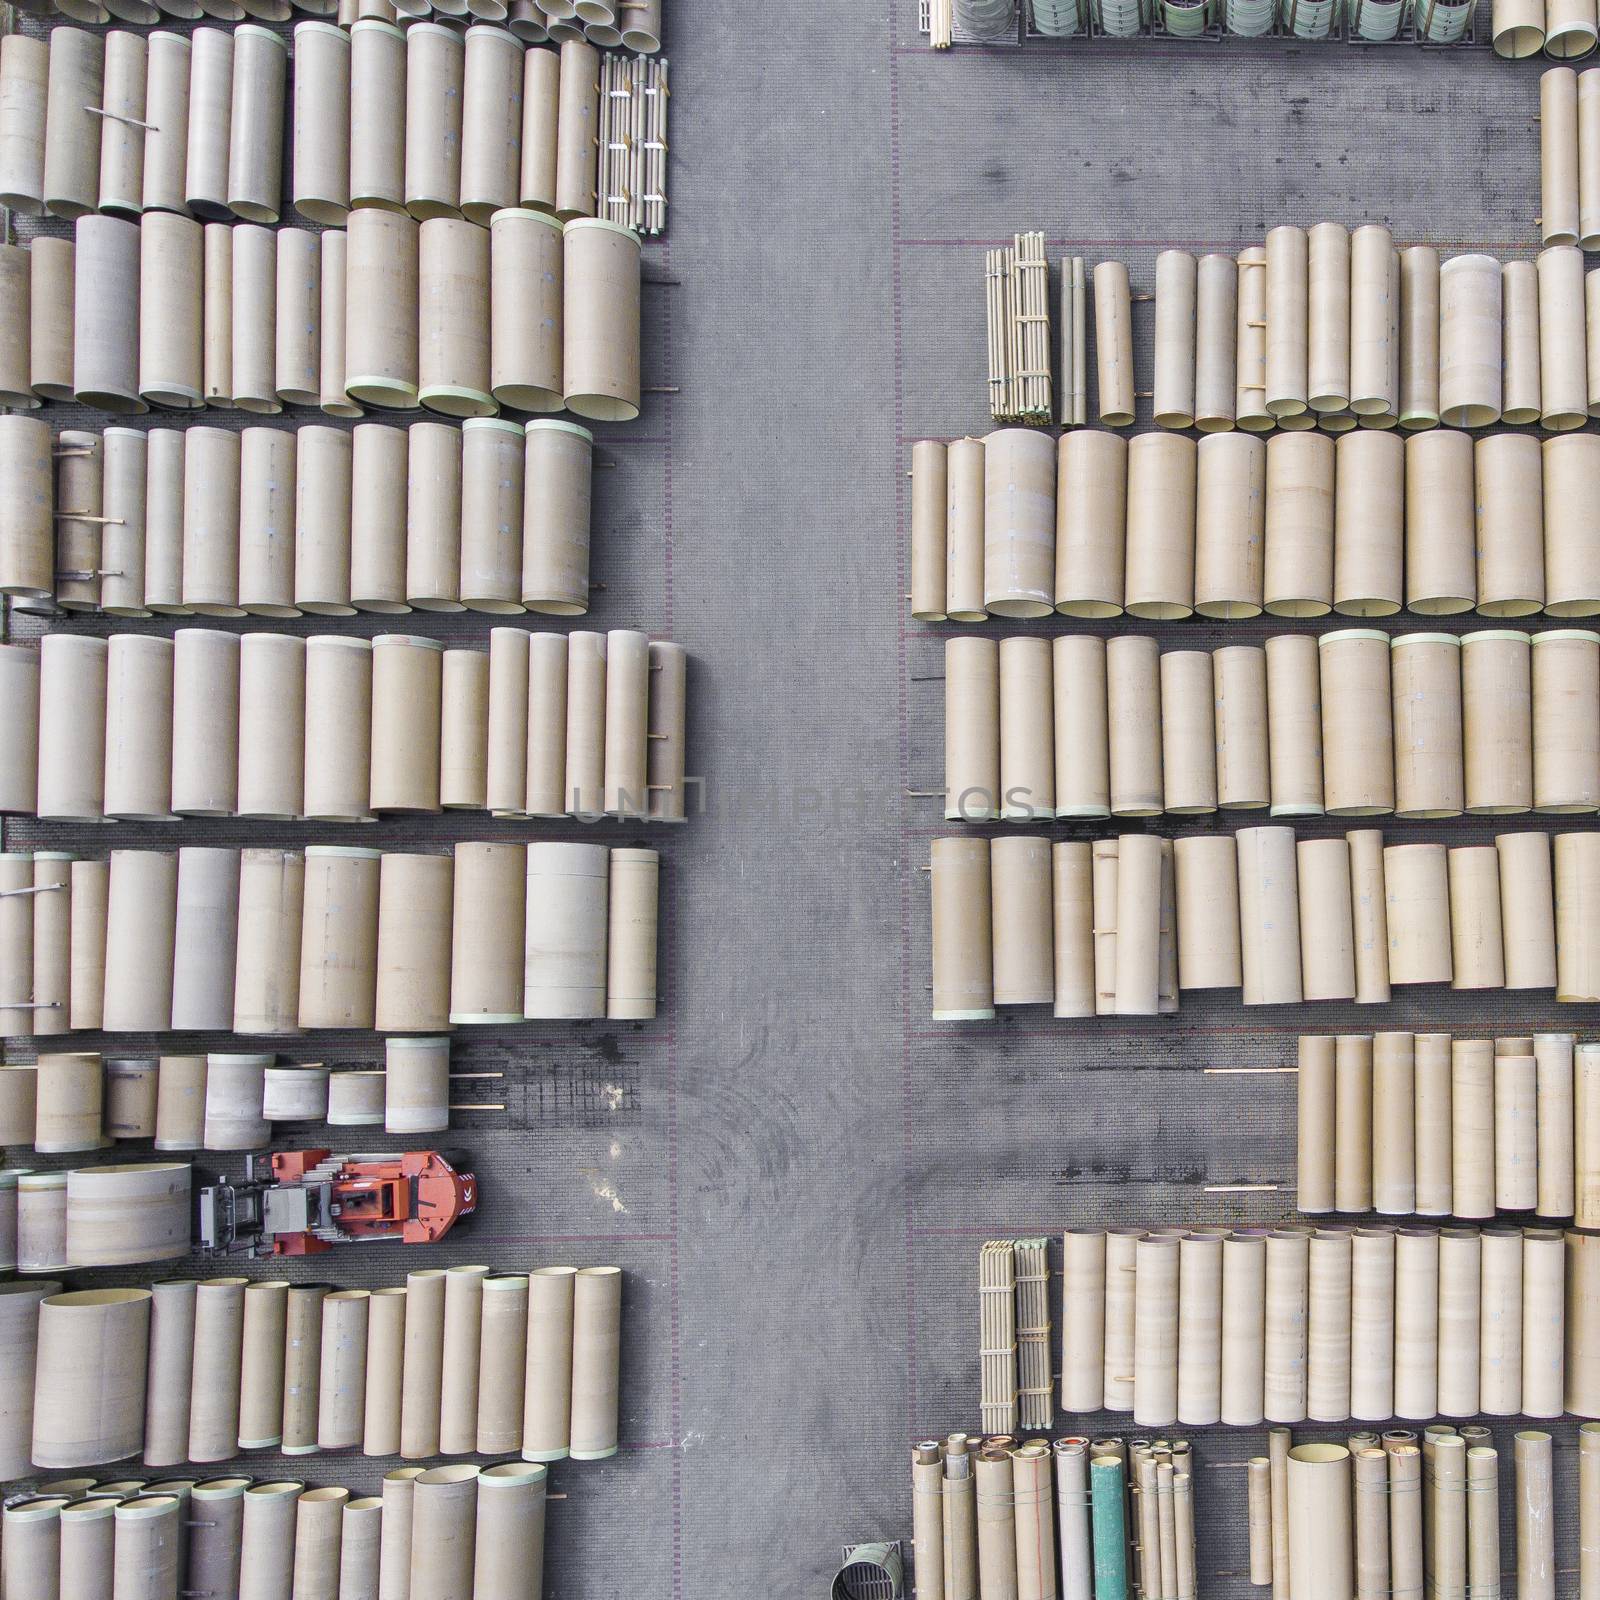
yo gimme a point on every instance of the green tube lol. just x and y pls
(1107, 1507)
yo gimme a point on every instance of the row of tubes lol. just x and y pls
(1569, 157)
(1121, 926)
(433, 121)
(1352, 723)
(269, 941)
(281, 522)
(1421, 1124)
(471, 1533)
(1290, 1324)
(1325, 326)
(339, 729)
(456, 1361)
(390, 313)
(1163, 527)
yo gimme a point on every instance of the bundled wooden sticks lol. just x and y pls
(1017, 284)
(1034, 1397)
(990, 1514)
(633, 142)
(997, 1323)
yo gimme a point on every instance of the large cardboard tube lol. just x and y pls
(1519, 291)
(1417, 913)
(216, 357)
(1216, 310)
(1369, 525)
(1527, 915)
(435, 67)
(1284, 1361)
(262, 1346)
(210, 123)
(381, 323)
(1326, 933)
(170, 278)
(324, 468)
(1559, 179)
(79, 498)
(27, 536)
(321, 123)
(342, 1379)
(453, 303)
(1440, 555)
(302, 1360)
(360, 1547)
(1374, 322)
(516, 779)
(433, 517)
(50, 317)
(271, 903)
(1469, 341)
(540, 129)
(235, 1102)
(525, 283)
(255, 319)
(555, 518)
(1176, 275)
(24, 81)
(127, 1213)
(1019, 523)
(1372, 1333)
(1329, 315)
(1357, 736)
(272, 716)
(1321, 1563)
(1208, 913)
(180, 1106)
(1294, 723)
(600, 320)
(1244, 1258)
(1155, 1345)
(1083, 1288)
(443, 1531)
(1572, 569)
(1586, 1120)
(1090, 524)
(205, 722)
(1316, 1112)
(1268, 916)
(332, 315)
(1026, 732)
(1352, 1140)
(1425, 670)
(1500, 1323)
(1299, 560)
(1082, 779)
(492, 497)
(105, 333)
(964, 530)
(502, 1356)
(68, 1104)
(163, 522)
(423, 1370)
(255, 140)
(16, 945)
(1497, 718)
(1113, 344)
(148, 1538)
(1577, 883)
(463, 1329)
(297, 333)
(546, 1421)
(1563, 370)
(295, 1093)
(1021, 916)
(1159, 582)
(631, 934)
(1230, 525)
(141, 910)
(378, 469)
(394, 1561)
(509, 1543)
(1516, 1150)
(407, 686)
(19, 716)
(1328, 1326)
(87, 1533)
(204, 939)
(338, 723)
(1243, 768)
(1133, 685)
(377, 115)
(487, 937)
(71, 159)
(1416, 1323)
(1543, 1274)
(319, 1514)
(1581, 1310)
(267, 1539)
(564, 974)
(19, 1343)
(339, 938)
(1073, 931)
(492, 122)
(267, 522)
(1555, 1122)
(972, 729)
(41, 1222)
(1459, 1304)
(413, 942)
(1476, 940)
(1565, 686)
(385, 1360)
(100, 1331)
(1287, 336)
(1588, 177)
(211, 480)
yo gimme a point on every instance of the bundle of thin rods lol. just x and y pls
(1017, 285)
(997, 1320)
(990, 1514)
(633, 142)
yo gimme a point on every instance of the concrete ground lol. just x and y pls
(795, 1166)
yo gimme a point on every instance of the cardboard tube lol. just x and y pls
(929, 503)
(385, 1358)
(27, 542)
(1554, 1121)
(1137, 921)
(204, 940)
(1189, 761)
(1250, 388)
(1500, 1323)
(266, 991)
(1425, 671)
(395, 1551)
(16, 945)
(1441, 577)
(1321, 1562)
(1176, 275)
(576, 149)
(492, 494)
(180, 1105)
(255, 141)
(1230, 525)
(1469, 341)
(515, 781)
(104, 1331)
(1243, 1325)
(1294, 722)
(1374, 322)
(1113, 343)
(972, 728)
(68, 1104)
(378, 467)
(1133, 699)
(501, 1364)
(1083, 1289)
(1565, 686)
(1026, 787)
(964, 573)
(19, 1341)
(1091, 519)
(565, 964)
(1563, 370)
(360, 1547)
(235, 1101)
(1208, 914)
(267, 522)
(1299, 562)
(540, 123)
(631, 934)
(1329, 318)
(138, 781)
(71, 159)
(1328, 1326)
(1476, 940)
(211, 484)
(321, 123)
(1243, 766)
(1216, 309)
(1278, 1442)
(423, 1371)
(1286, 1311)
(127, 1213)
(339, 939)
(86, 1532)
(24, 80)
(453, 332)
(1393, 1124)
(1161, 526)
(1019, 516)
(1372, 1332)
(1577, 862)
(50, 912)
(1582, 1305)
(255, 320)
(1353, 1123)
(1316, 1122)
(381, 327)
(509, 1547)
(1586, 1118)
(210, 123)
(1369, 524)
(1559, 176)
(41, 1222)
(216, 1535)
(1519, 289)
(546, 1421)
(1357, 739)
(487, 933)
(407, 683)
(342, 1378)
(1459, 1304)
(1588, 178)
(1326, 932)
(295, 1093)
(18, 1100)
(1416, 1322)
(378, 104)
(205, 722)
(1526, 909)
(1268, 916)
(443, 1531)
(19, 715)
(1287, 321)
(267, 1540)
(413, 943)
(435, 66)
(297, 332)
(165, 136)
(600, 321)
(140, 915)
(323, 492)
(463, 1326)
(261, 1365)
(1155, 1347)
(1073, 930)
(1417, 913)
(1572, 571)
(50, 317)
(338, 721)
(1543, 1279)
(1472, 1127)
(555, 518)
(492, 122)
(1497, 722)
(433, 518)
(170, 257)
(105, 337)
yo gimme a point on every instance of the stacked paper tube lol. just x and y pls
(1161, 527)
(457, 1361)
(1121, 926)
(272, 941)
(336, 729)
